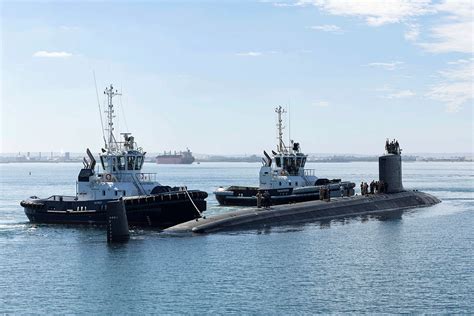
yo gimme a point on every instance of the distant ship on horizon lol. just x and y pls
(176, 158)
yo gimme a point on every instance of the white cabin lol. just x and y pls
(287, 167)
(121, 164)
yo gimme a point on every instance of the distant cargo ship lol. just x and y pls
(176, 158)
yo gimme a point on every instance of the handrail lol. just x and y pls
(142, 177)
(138, 184)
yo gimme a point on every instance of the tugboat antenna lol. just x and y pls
(281, 145)
(110, 92)
(100, 110)
(289, 126)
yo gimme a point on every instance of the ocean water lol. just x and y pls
(421, 263)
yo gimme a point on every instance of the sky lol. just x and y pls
(208, 74)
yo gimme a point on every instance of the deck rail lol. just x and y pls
(142, 177)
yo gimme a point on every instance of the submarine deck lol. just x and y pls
(306, 211)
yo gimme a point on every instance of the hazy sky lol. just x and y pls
(208, 75)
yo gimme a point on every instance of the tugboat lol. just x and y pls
(285, 179)
(147, 202)
(178, 158)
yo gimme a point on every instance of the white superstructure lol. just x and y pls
(286, 168)
(121, 162)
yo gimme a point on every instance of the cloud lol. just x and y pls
(387, 66)
(375, 12)
(326, 28)
(455, 33)
(401, 94)
(283, 4)
(322, 104)
(451, 31)
(250, 54)
(69, 28)
(452, 37)
(391, 93)
(460, 61)
(455, 87)
(43, 53)
(412, 32)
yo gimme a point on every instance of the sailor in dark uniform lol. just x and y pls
(267, 199)
(259, 199)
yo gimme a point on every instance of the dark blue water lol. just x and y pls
(420, 263)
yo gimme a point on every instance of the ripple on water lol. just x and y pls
(421, 263)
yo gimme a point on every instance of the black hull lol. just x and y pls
(160, 211)
(247, 197)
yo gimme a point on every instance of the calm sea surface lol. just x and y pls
(423, 262)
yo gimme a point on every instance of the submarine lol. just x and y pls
(393, 200)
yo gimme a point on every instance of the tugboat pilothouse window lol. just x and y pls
(103, 162)
(139, 163)
(114, 164)
(278, 161)
(131, 162)
(299, 160)
(121, 162)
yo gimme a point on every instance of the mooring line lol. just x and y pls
(189, 196)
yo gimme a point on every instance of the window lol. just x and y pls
(298, 162)
(103, 192)
(280, 183)
(121, 163)
(116, 193)
(103, 162)
(278, 161)
(131, 162)
(124, 193)
(139, 163)
(114, 164)
(296, 183)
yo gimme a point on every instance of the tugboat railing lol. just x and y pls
(62, 198)
(131, 177)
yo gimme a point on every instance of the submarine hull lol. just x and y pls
(248, 218)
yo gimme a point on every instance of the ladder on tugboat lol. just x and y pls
(138, 185)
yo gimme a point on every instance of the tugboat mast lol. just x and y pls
(281, 145)
(111, 142)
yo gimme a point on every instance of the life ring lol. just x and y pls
(108, 177)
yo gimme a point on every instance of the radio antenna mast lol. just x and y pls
(289, 126)
(110, 92)
(281, 145)
(100, 111)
